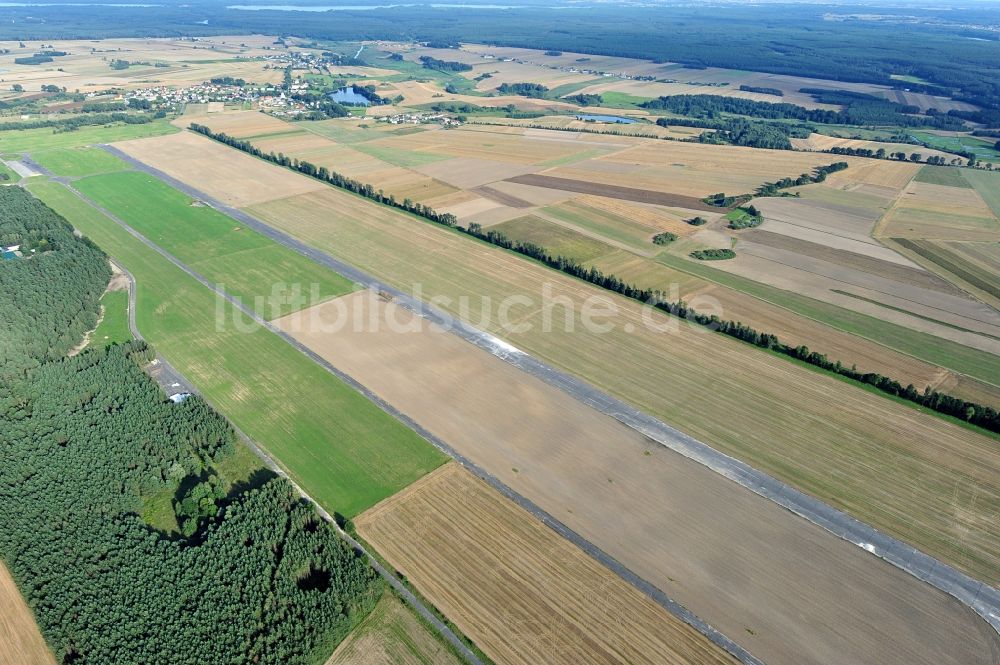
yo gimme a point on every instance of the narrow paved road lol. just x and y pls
(981, 598)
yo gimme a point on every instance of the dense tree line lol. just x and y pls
(104, 107)
(535, 90)
(739, 131)
(444, 65)
(983, 416)
(882, 153)
(777, 92)
(33, 60)
(585, 99)
(228, 80)
(76, 121)
(819, 174)
(49, 297)
(858, 109)
(258, 577)
(713, 254)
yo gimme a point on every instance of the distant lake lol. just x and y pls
(607, 118)
(348, 96)
(71, 4)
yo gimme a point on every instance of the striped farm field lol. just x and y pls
(522, 593)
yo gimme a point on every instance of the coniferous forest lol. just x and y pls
(84, 440)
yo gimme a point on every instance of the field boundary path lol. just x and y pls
(166, 376)
(978, 596)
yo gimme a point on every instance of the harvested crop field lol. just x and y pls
(798, 425)
(614, 192)
(889, 269)
(210, 166)
(240, 124)
(21, 643)
(977, 264)
(736, 560)
(931, 211)
(521, 592)
(774, 315)
(392, 635)
(553, 237)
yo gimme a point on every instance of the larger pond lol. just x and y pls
(606, 118)
(348, 96)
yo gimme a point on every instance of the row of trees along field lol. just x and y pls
(86, 441)
(978, 414)
(859, 109)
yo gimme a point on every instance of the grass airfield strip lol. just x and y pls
(244, 262)
(782, 588)
(345, 451)
(913, 475)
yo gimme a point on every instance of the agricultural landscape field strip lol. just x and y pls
(254, 183)
(589, 471)
(614, 191)
(35, 140)
(520, 591)
(21, 642)
(268, 277)
(79, 161)
(341, 448)
(772, 434)
(773, 425)
(791, 428)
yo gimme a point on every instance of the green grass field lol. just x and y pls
(949, 176)
(11, 178)
(113, 328)
(36, 140)
(556, 239)
(341, 448)
(987, 183)
(623, 100)
(78, 161)
(246, 263)
(980, 148)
